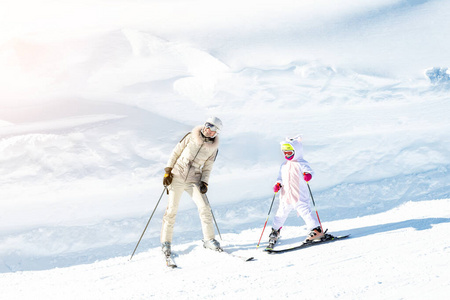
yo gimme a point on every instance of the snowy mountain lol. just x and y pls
(95, 95)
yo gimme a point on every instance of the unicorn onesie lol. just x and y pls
(292, 180)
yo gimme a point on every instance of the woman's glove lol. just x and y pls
(277, 187)
(167, 180)
(203, 187)
(307, 176)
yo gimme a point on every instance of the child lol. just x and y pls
(294, 173)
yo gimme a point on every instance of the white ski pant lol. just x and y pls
(176, 190)
(303, 209)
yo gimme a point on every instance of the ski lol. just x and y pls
(243, 258)
(327, 238)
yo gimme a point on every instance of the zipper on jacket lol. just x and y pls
(190, 163)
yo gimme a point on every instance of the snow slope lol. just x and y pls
(398, 254)
(95, 94)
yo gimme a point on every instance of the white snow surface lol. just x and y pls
(95, 94)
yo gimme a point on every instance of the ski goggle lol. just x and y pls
(212, 127)
(288, 153)
(288, 150)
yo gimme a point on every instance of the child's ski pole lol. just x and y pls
(312, 198)
(266, 219)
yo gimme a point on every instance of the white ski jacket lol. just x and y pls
(193, 157)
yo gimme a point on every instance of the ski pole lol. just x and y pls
(207, 201)
(148, 222)
(312, 198)
(266, 220)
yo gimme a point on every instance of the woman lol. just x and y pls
(188, 169)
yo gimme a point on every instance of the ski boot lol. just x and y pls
(273, 238)
(315, 235)
(166, 249)
(213, 245)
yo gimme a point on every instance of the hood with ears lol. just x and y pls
(296, 143)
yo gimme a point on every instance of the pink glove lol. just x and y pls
(307, 176)
(277, 187)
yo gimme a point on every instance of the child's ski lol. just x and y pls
(327, 238)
